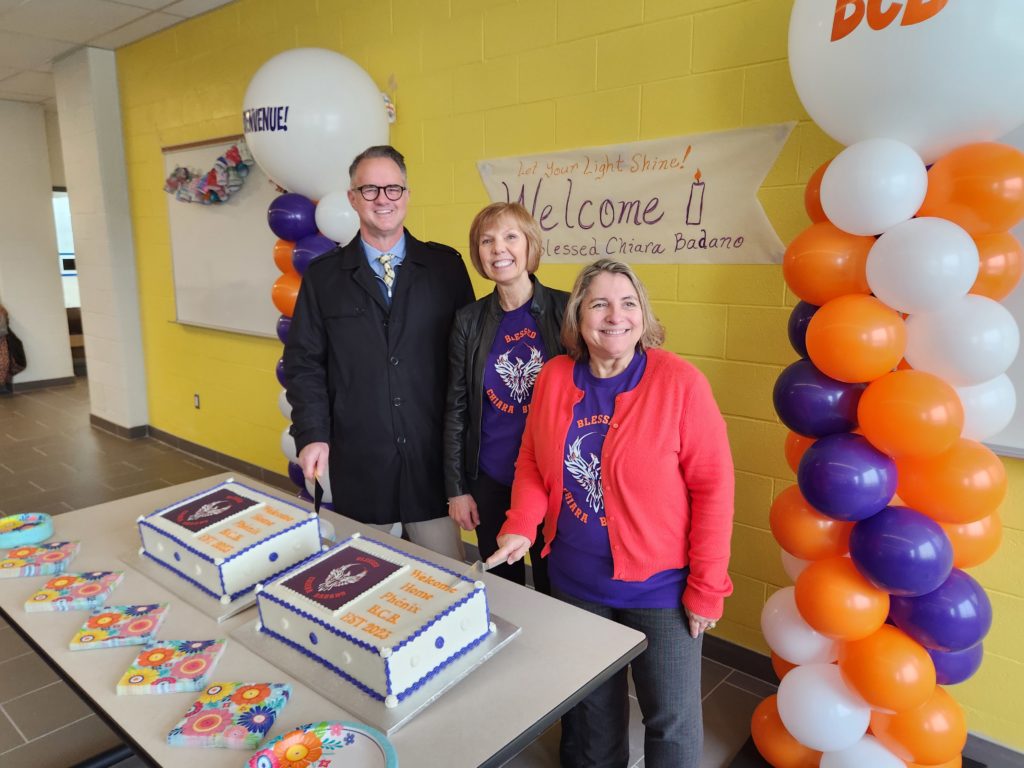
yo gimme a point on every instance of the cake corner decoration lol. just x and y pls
(391, 702)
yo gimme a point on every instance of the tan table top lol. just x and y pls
(487, 718)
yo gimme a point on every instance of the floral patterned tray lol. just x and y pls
(328, 745)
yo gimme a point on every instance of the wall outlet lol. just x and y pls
(195, 400)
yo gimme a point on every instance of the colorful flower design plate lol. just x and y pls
(172, 666)
(232, 715)
(37, 559)
(75, 591)
(328, 745)
(117, 625)
(27, 528)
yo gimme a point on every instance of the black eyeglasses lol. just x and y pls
(391, 191)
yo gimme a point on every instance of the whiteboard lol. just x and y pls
(223, 253)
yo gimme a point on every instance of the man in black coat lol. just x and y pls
(366, 362)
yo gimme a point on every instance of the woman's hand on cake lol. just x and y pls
(313, 460)
(462, 509)
(511, 549)
(698, 624)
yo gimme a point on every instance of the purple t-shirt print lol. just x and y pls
(209, 509)
(510, 372)
(340, 578)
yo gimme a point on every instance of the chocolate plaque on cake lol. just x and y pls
(209, 509)
(342, 577)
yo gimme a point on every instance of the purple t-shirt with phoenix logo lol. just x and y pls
(513, 363)
(580, 562)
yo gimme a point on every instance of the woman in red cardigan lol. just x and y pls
(625, 460)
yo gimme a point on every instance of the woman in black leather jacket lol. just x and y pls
(497, 347)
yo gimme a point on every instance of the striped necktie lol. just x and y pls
(389, 271)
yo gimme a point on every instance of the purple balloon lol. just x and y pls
(952, 667)
(813, 404)
(953, 617)
(308, 248)
(284, 324)
(280, 373)
(292, 216)
(295, 474)
(845, 477)
(902, 551)
(799, 319)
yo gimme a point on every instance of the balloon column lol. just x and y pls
(307, 113)
(904, 347)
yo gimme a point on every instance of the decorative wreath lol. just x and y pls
(190, 185)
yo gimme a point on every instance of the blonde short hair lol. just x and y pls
(572, 338)
(523, 220)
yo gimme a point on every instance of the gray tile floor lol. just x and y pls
(52, 460)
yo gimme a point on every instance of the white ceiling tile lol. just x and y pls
(190, 8)
(149, 5)
(136, 30)
(31, 83)
(27, 52)
(12, 96)
(70, 20)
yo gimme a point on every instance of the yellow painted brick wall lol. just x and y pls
(485, 78)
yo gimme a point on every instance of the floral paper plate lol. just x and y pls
(26, 528)
(328, 745)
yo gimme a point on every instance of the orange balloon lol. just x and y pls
(888, 669)
(910, 413)
(931, 733)
(836, 600)
(960, 485)
(812, 195)
(796, 446)
(285, 292)
(1001, 264)
(856, 338)
(803, 531)
(974, 543)
(780, 665)
(823, 262)
(775, 743)
(978, 186)
(956, 762)
(283, 255)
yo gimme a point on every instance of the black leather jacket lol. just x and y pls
(471, 340)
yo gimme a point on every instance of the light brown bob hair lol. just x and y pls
(522, 220)
(572, 338)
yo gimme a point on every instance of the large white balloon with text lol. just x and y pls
(933, 74)
(307, 113)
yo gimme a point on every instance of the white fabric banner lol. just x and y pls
(681, 200)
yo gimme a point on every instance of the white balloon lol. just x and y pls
(325, 483)
(943, 81)
(335, 217)
(923, 264)
(283, 405)
(288, 446)
(819, 710)
(867, 751)
(873, 185)
(793, 566)
(988, 407)
(306, 114)
(790, 636)
(970, 341)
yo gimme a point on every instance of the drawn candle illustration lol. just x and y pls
(695, 206)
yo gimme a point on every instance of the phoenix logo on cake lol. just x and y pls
(340, 577)
(209, 509)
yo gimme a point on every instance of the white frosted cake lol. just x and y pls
(381, 619)
(229, 538)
